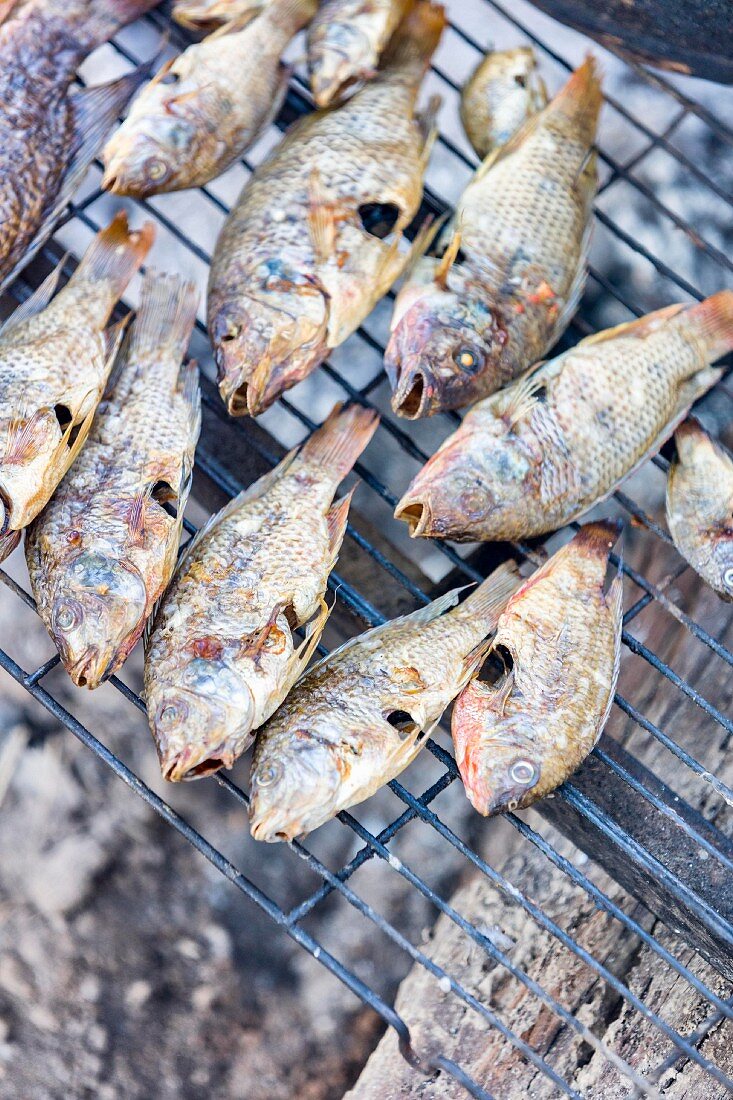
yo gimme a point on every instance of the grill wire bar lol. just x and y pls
(419, 808)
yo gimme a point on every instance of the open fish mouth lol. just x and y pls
(416, 514)
(85, 672)
(195, 762)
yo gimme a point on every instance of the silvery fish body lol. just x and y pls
(700, 506)
(560, 638)
(503, 91)
(103, 550)
(223, 654)
(358, 718)
(543, 451)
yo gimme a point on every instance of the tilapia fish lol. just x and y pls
(345, 41)
(560, 640)
(205, 108)
(700, 505)
(207, 15)
(543, 451)
(503, 91)
(54, 363)
(360, 716)
(223, 653)
(103, 550)
(302, 257)
(512, 266)
(49, 134)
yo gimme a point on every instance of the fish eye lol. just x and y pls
(170, 713)
(269, 775)
(728, 578)
(523, 772)
(68, 616)
(155, 168)
(466, 359)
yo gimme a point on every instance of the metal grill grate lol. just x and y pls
(682, 899)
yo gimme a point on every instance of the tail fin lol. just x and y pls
(417, 37)
(598, 539)
(115, 254)
(580, 99)
(713, 321)
(166, 315)
(492, 595)
(340, 440)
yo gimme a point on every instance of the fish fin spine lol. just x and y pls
(166, 315)
(337, 444)
(115, 254)
(492, 595)
(337, 517)
(713, 321)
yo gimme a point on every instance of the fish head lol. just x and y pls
(295, 781)
(97, 614)
(161, 133)
(201, 718)
(475, 486)
(267, 337)
(499, 767)
(444, 352)
(339, 54)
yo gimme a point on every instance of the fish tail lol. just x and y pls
(166, 315)
(115, 254)
(491, 597)
(416, 38)
(713, 321)
(340, 440)
(580, 99)
(291, 15)
(597, 539)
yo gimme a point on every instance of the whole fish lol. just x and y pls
(54, 363)
(223, 654)
(546, 449)
(301, 259)
(205, 107)
(360, 716)
(207, 15)
(345, 42)
(503, 91)
(560, 639)
(49, 133)
(103, 550)
(700, 505)
(513, 263)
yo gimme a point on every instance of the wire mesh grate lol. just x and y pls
(187, 238)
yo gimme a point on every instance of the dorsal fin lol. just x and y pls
(448, 258)
(337, 517)
(36, 302)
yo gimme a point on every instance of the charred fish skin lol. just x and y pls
(513, 263)
(208, 15)
(502, 92)
(55, 356)
(49, 134)
(302, 259)
(345, 42)
(560, 634)
(540, 453)
(192, 121)
(103, 550)
(222, 654)
(700, 505)
(359, 717)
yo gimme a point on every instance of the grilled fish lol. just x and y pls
(546, 449)
(503, 91)
(361, 715)
(345, 41)
(560, 639)
(49, 134)
(301, 259)
(700, 506)
(513, 263)
(223, 655)
(208, 15)
(54, 363)
(194, 119)
(103, 550)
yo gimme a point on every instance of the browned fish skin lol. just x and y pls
(360, 716)
(207, 15)
(345, 42)
(103, 550)
(700, 505)
(513, 265)
(222, 654)
(194, 119)
(54, 363)
(48, 135)
(296, 269)
(543, 451)
(560, 636)
(503, 91)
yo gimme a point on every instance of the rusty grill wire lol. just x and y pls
(89, 212)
